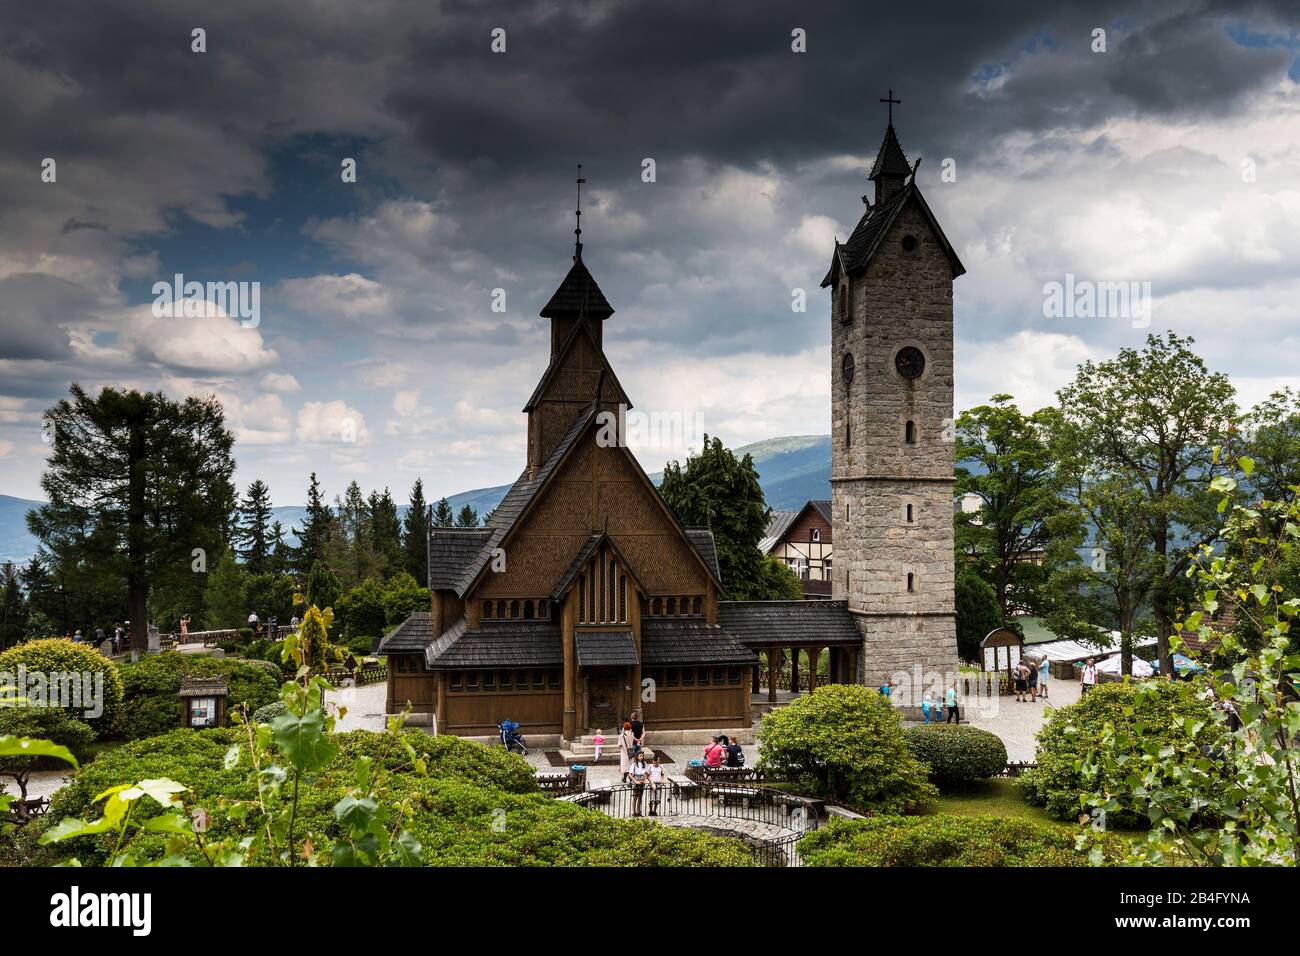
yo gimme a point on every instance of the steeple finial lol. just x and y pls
(577, 231)
(891, 101)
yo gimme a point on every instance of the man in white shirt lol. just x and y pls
(1088, 677)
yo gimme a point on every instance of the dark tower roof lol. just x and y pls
(578, 295)
(890, 160)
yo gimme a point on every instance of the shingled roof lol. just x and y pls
(557, 362)
(890, 159)
(777, 525)
(614, 648)
(450, 551)
(578, 294)
(702, 539)
(667, 642)
(413, 634)
(761, 623)
(496, 644)
(583, 556)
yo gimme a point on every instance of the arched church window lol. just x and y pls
(501, 609)
(656, 607)
(672, 606)
(487, 608)
(697, 607)
(911, 581)
(909, 513)
(909, 433)
(529, 610)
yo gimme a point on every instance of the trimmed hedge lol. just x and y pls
(151, 686)
(945, 840)
(264, 715)
(58, 654)
(957, 755)
(845, 742)
(1058, 782)
(467, 789)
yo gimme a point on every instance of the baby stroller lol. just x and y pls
(511, 739)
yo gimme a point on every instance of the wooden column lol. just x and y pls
(794, 670)
(756, 678)
(773, 666)
(813, 654)
(441, 708)
(570, 668)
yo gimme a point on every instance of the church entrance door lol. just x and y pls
(605, 698)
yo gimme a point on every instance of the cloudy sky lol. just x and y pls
(1173, 157)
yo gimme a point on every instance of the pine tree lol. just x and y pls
(467, 517)
(13, 608)
(134, 483)
(39, 588)
(253, 528)
(415, 534)
(353, 556)
(386, 534)
(281, 554)
(317, 528)
(224, 598)
(442, 515)
(323, 588)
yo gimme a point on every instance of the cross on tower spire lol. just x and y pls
(577, 231)
(891, 101)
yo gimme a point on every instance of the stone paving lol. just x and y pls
(1017, 723)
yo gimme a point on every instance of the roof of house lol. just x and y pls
(496, 644)
(853, 256)
(578, 294)
(450, 550)
(608, 648)
(761, 623)
(779, 524)
(666, 642)
(702, 539)
(413, 634)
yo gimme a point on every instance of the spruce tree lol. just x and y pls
(386, 534)
(253, 534)
(467, 517)
(317, 528)
(13, 607)
(415, 534)
(442, 515)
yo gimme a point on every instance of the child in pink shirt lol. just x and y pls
(598, 739)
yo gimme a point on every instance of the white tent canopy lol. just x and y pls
(1065, 650)
(1112, 665)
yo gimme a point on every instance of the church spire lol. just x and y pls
(891, 167)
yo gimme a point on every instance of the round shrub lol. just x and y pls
(1060, 781)
(957, 755)
(151, 686)
(58, 655)
(270, 667)
(845, 742)
(44, 723)
(264, 715)
(944, 840)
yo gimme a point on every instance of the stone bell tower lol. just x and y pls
(892, 429)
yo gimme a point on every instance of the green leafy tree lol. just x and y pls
(1153, 418)
(225, 599)
(1237, 801)
(402, 596)
(270, 595)
(776, 582)
(1273, 444)
(134, 483)
(467, 517)
(844, 741)
(977, 614)
(317, 529)
(253, 525)
(415, 533)
(361, 610)
(719, 491)
(1004, 459)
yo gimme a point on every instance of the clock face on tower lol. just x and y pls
(846, 369)
(909, 362)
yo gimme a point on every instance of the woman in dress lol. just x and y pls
(626, 745)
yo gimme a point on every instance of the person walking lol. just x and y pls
(1088, 677)
(640, 774)
(597, 741)
(926, 705)
(954, 716)
(625, 746)
(1043, 671)
(254, 624)
(1032, 674)
(1018, 675)
(656, 784)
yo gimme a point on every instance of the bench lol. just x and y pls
(814, 807)
(745, 796)
(584, 799)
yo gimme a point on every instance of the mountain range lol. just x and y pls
(791, 470)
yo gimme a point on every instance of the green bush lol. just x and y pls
(1061, 782)
(57, 655)
(948, 841)
(455, 806)
(151, 686)
(957, 755)
(273, 668)
(264, 715)
(844, 742)
(360, 646)
(44, 723)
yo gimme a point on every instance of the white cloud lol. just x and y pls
(281, 382)
(332, 422)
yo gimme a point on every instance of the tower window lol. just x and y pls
(816, 534)
(842, 306)
(848, 435)
(909, 514)
(911, 581)
(909, 433)
(909, 243)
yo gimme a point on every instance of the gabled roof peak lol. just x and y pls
(578, 295)
(890, 159)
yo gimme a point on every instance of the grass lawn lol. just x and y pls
(997, 797)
